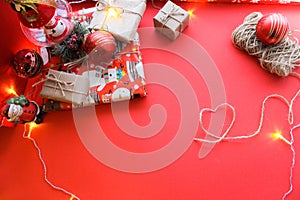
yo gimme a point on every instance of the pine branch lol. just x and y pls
(71, 48)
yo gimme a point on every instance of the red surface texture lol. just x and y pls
(249, 169)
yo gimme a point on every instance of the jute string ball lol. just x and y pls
(280, 58)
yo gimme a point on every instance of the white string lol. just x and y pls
(224, 135)
(44, 164)
(154, 5)
(77, 2)
(2, 121)
(293, 162)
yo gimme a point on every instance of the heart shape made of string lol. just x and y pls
(226, 131)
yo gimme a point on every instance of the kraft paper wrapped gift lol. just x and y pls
(171, 20)
(65, 87)
(119, 17)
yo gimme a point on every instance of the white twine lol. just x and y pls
(154, 5)
(280, 58)
(224, 136)
(2, 121)
(293, 163)
(78, 1)
(44, 164)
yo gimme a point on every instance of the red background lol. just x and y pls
(251, 169)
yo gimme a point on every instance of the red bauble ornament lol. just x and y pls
(272, 28)
(37, 18)
(100, 45)
(27, 63)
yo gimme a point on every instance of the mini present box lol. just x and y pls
(65, 87)
(119, 17)
(171, 20)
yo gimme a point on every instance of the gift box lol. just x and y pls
(171, 20)
(122, 80)
(119, 17)
(65, 87)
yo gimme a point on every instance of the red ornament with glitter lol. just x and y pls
(272, 28)
(101, 46)
(27, 63)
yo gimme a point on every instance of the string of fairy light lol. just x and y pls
(29, 127)
(276, 135)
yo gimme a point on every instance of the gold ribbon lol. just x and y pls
(171, 14)
(29, 2)
(21, 4)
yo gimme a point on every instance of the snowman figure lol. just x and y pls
(57, 29)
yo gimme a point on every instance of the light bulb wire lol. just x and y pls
(25, 135)
(224, 136)
(293, 162)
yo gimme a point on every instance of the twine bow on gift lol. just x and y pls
(59, 83)
(171, 14)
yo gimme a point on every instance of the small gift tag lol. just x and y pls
(45, 55)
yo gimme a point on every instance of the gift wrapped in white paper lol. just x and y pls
(119, 17)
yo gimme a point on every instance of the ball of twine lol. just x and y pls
(280, 58)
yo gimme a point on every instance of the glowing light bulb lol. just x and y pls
(191, 13)
(73, 197)
(30, 126)
(113, 12)
(12, 91)
(278, 135)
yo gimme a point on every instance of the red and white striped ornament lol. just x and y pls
(101, 46)
(272, 28)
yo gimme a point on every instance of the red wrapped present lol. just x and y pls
(124, 79)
